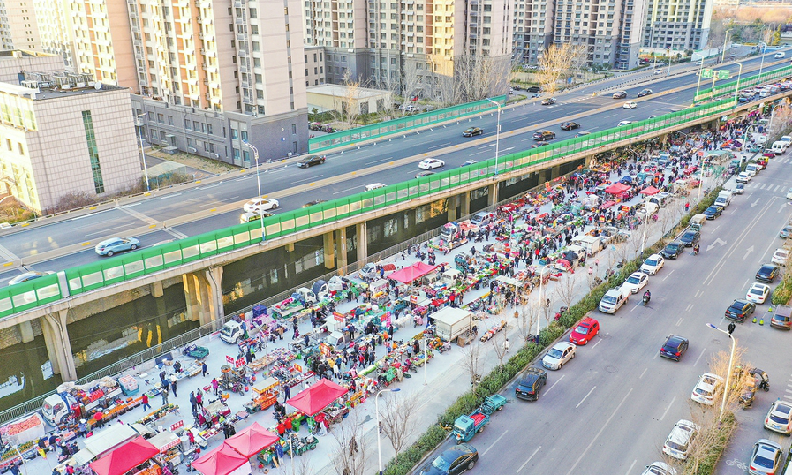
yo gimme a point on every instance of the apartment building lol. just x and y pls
(533, 29)
(314, 66)
(55, 31)
(674, 26)
(18, 26)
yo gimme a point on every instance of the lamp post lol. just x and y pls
(142, 152)
(698, 83)
(761, 65)
(258, 178)
(737, 87)
(725, 41)
(731, 360)
(497, 135)
(376, 410)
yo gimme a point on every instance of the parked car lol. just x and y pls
(758, 293)
(673, 250)
(652, 264)
(585, 330)
(529, 385)
(779, 417)
(678, 443)
(452, 461)
(740, 309)
(766, 457)
(704, 392)
(558, 355)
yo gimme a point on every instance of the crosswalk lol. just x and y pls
(765, 186)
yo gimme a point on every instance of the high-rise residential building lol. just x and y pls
(314, 65)
(533, 29)
(672, 26)
(18, 26)
(55, 31)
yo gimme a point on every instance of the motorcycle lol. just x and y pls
(646, 299)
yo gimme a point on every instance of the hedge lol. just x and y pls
(404, 462)
(723, 431)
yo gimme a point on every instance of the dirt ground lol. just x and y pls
(194, 161)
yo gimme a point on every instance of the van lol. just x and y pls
(752, 168)
(481, 218)
(779, 147)
(725, 194)
(786, 138)
(782, 318)
(614, 299)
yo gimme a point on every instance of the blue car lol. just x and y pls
(713, 212)
(115, 245)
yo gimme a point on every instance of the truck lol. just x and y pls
(454, 234)
(63, 408)
(232, 332)
(592, 244)
(465, 427)
(369, 271)
(305, 296)
(450, 322)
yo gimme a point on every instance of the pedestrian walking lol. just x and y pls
(199, 398)
(193, 402)
(215, 385)
(145, 401)
(204, 369)
(173, 386)
(286, 392)
(164, 395)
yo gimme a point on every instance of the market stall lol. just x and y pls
(412, 273)
(223, 460)
(96, 446)
(317, 397)
(252, 440)
(125, 458)
(167, 443)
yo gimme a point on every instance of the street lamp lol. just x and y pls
(761, 66)
(497, 134)
(725, 41)
(731, 360)
(698, 83)
(258, 177)
(737, 86)
(376, 410)
(143, 153)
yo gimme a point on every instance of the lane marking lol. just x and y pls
(667, 408)
(493, 444)
(669, 275)
(554, 384)
(594, 439)
(679, 322)
(597, 343)
(642, 374)
(629, 470)
(585, 397)
(688, 308)
(699, 358)
(529, 459)
(87, 235)
(170, 196)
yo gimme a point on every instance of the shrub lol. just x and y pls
(719, 436)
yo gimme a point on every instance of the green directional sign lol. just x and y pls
(706, 73)
(723, 74)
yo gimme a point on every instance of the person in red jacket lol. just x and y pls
(288, 424)
(281, 428)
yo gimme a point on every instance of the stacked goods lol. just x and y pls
(25, 430)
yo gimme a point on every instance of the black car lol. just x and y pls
(690, 237)
(472, 131)
(645, 92)
(619, 95)
(311, 160)
(713, 212)
(740, 310)
(534, 89)
(313, 203)
(570, 126)
(543, 135)
(540, 144)
(674, 347)
(673, 250)
(531, 383)
(424, 173)
(767, 273)
(548, 102)
(457, 459)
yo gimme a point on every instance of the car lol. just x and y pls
(531, 382)
(468, 162)
(674, 348)
(375, 186)
(613, 300)
(673, 250)
(250, 217)
(704, 392)
(785, 231)
(544, 135)
(740, 309)
(678, 443)
(424, 174)
(721, 202)
(758, 293)
(789, 194)
(456, 459)
(28, 276)
(658, 72)
(313, 203)
(659, 468)
(472, 131)
(645, 92)
(779, 55)
(712, 212)
(548, 102)
(652, 264)
(743, 177)
(690, 237)
(624, 122)
(558, 355)
(582, 133)
(430, 164)
(636, 281)
(739, 188)
(570, 126)
(779, 417)
(257, 205)
(311, 160)
(540, 144)
(619, 95)
(630, 105)
(114, 245)
(765, 458)
(781, 257)
(767, 273)
(585, 330)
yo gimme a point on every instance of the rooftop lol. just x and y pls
(341, 91)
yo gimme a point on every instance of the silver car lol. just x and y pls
(558, 355)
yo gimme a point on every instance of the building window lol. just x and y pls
(244, 135)
(160, 118)
(8, 144)
(187, 124)
(195, 126)
(209, 129)
(294, 129)
(93, 152)
(21, 149)
(234, 135)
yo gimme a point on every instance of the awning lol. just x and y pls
(220, 461)
(409, 274)
(649, 190)
(317, 397)
(252, 440)
(125, 458)
(617, 188)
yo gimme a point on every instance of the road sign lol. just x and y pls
(706, 73)
(723, 74)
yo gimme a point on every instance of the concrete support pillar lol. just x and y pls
(56, 337)
(465, 197)
(555, 172)
(191, 296)
(26, 330)
(492, 194)
(588, 160)
(453, 202)
(214, 281)
(341, 251)
(156, 289)
(362, 246)
(543, 176)
(328, 245)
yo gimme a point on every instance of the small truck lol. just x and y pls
(465, 427)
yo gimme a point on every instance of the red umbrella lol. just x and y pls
(252, 440)
(220, 461)
(650, 190)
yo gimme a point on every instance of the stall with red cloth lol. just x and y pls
(125, 458)
(252, 440)
(222, 461)
(650, 190)
(318, 396)
(412, 273)
(617, 188)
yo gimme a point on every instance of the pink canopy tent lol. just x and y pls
(251, 440)
(608, 204)
(220, 461)
(317, 397)
(650, 190)
(415, 271)
(617, 188)
(125, 458)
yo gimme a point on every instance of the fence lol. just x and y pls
(401, 125)
(732, 87)
(102, 273)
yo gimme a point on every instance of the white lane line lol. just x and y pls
(554, 384)
(372, 162)
(688, 308)
(133, 205)
(669, 275)
(629, 470)
(699, 358)
(597, 343)
(679, 322)
(667, 408)
(348, 189)
(88, 235)
(80, 217)
(244, 178)
(594, 439)
(585, 397)
(209, 186)
(170, 196)
(642, 374)
(493, 444)
(529, 459)
(305, 180)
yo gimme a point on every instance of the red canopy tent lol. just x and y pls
(650, 190)
(125, 458)
(318, 396)
(251, 440)
(220, 461)
(415, 271)
(617, 188)
(608, 204)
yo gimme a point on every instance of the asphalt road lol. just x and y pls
(348, 171)
(609, 410)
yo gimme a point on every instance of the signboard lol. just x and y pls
(723, 74)
(706, 73)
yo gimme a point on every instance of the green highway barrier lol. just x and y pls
(81, 279)
(731, 87)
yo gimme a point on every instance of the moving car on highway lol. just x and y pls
(114, 245)
(28, 276)
(624, 122)
(375, 186)
(311, 160)
(257, 205)
(470, 132)
(430, 164)
(675, 347)
(630, 105)
(619, 95)
(645, 92)
(570, 126)
(544, 135)
(548, 102)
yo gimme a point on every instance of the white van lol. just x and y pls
(779, 147)
(752, 168)
(786, 138)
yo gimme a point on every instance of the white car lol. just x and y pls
(780, 257)
(704, 392)
(722, 202)
(630, 105)
(659, 468)
(654, 263)
(779, 54)
(624, 122)
(744, 177)
(789, 194)
(636, 282)
(374, 186)
(430, 163)
(613, 300)
(558, 355)
(779, 417)
(257, 205)
(758, 293)
(677, 444)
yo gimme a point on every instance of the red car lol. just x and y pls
(584, 331)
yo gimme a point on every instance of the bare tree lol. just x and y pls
(411, 81)
(499, 340)
(578, 60)
(527, 315)
(398, 419)
(470, 361)
(565, 289)
(350, 102)
(350, 455)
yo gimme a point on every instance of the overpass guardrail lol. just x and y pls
(88, 277)
(731, 86)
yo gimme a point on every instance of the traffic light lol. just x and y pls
(732, 327)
